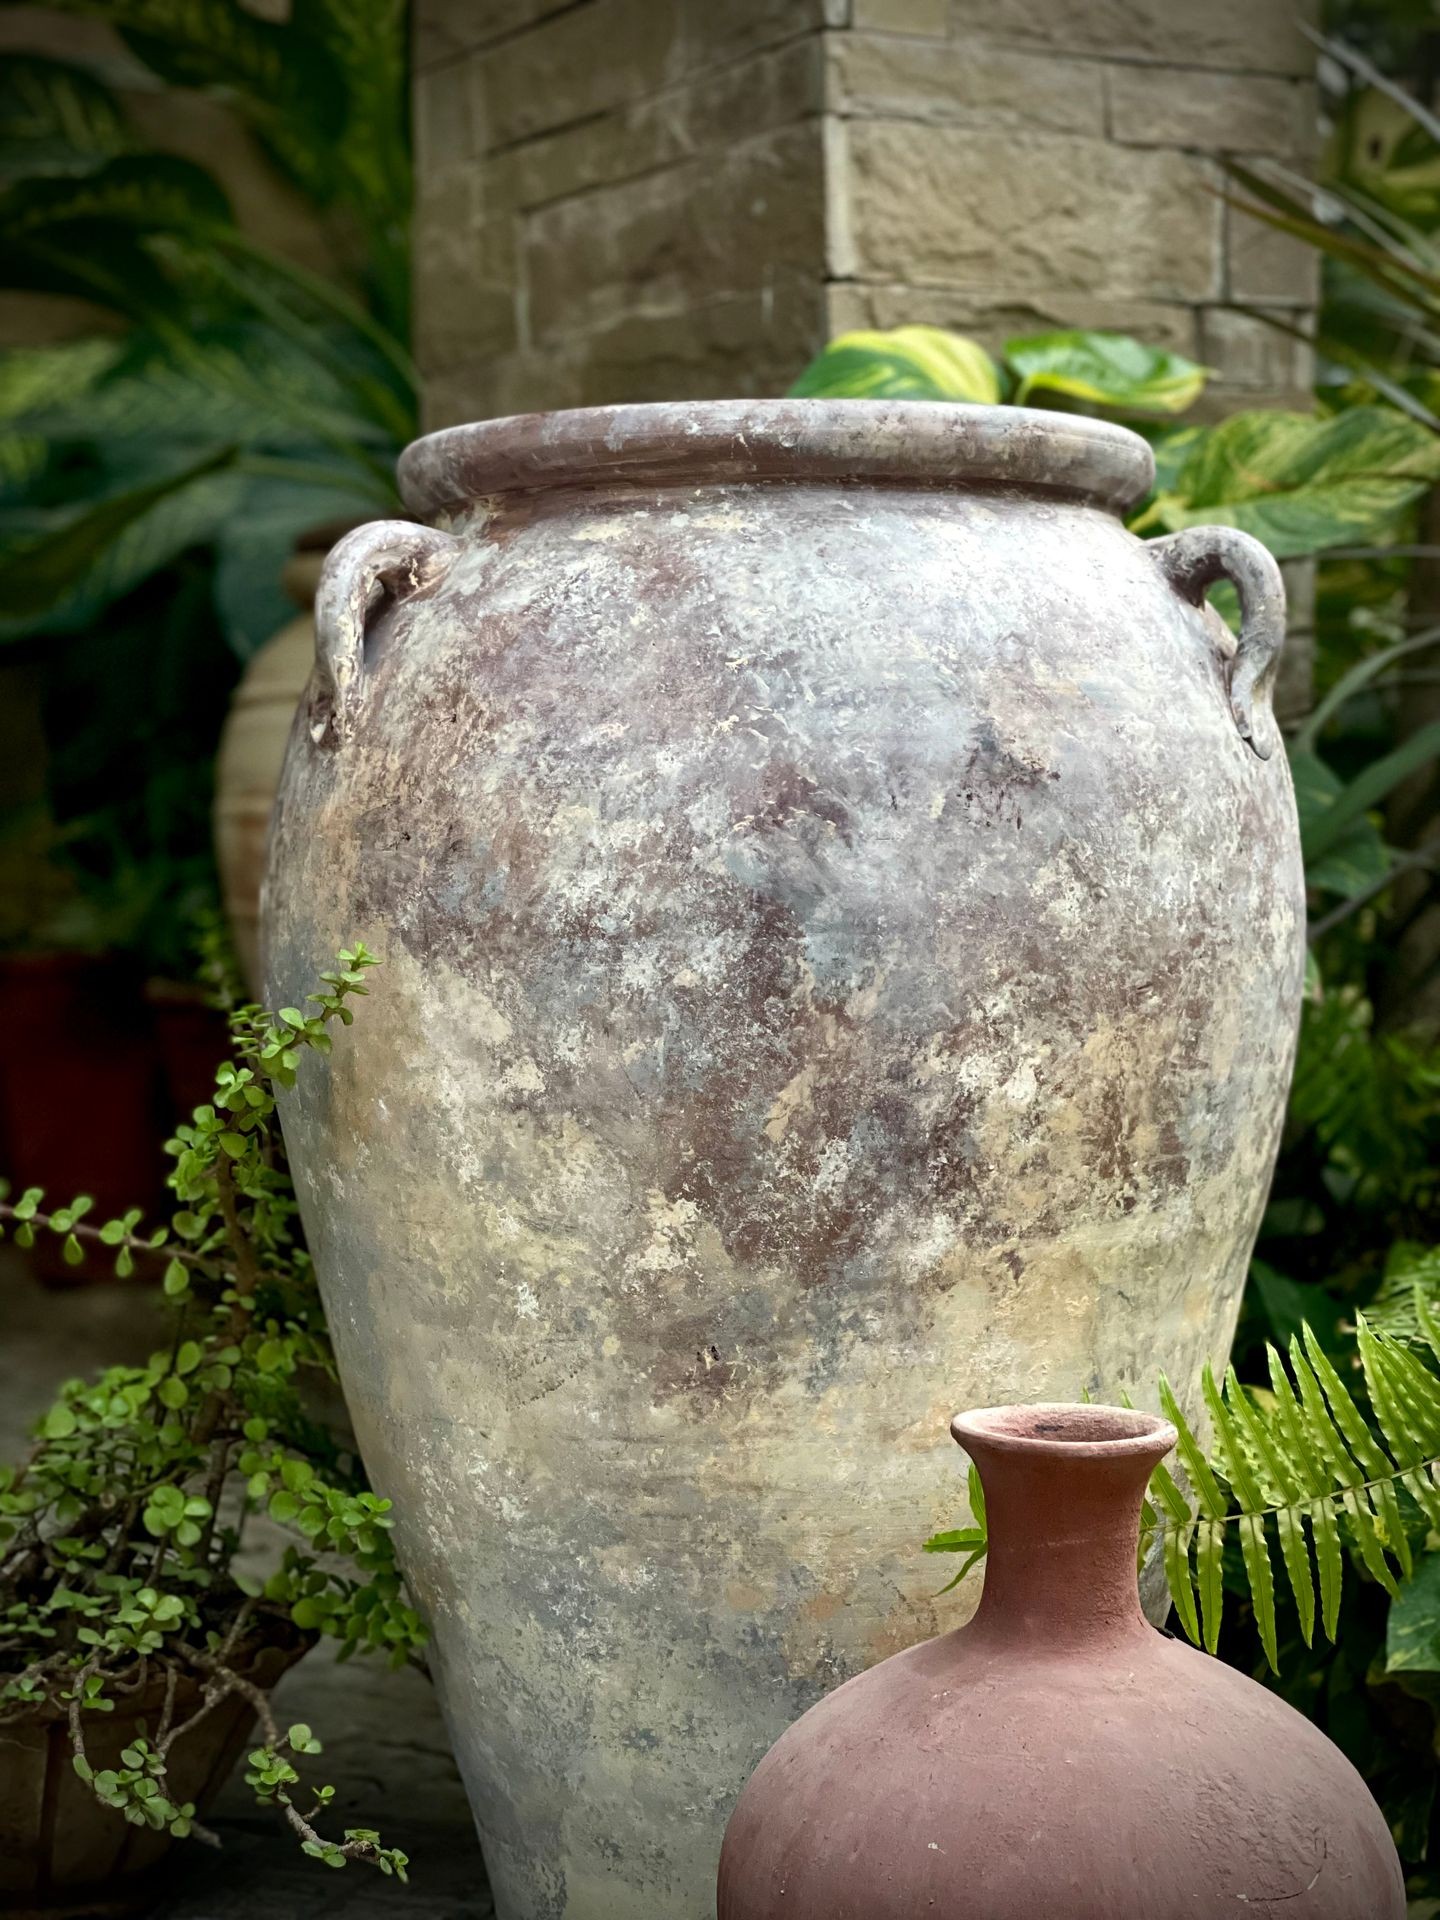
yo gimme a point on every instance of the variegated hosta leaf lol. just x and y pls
(1299, 483)
(1105, 369)
(906, 363)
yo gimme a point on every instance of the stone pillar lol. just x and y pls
(616, 200)
(659, 199)
(666, 199)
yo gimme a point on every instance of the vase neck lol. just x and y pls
(1063, 1490)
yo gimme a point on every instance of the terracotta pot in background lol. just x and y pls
(1057, 1755)
(843, 930)
(252, 747)
(191, 1037)
(64, 1854)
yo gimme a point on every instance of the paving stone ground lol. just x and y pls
(385, 1747)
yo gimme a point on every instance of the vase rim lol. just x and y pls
(920, 443)
(1060, 1428)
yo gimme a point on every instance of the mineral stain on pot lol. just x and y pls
(843, 933)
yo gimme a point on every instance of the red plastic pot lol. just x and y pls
(82, 1106)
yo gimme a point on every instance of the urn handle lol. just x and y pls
(1194, 560)
(387, 553)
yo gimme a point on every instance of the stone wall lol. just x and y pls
(645, 199)
(1002, 166)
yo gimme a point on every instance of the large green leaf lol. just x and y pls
(1105, 369)
(367, 41)
(906, 363)
(271, 68)
(1358, 858)
(235, 382)
(55, 118)
(1290, 1305)
(144, 191)
(34, 380)
(1331, 830)
(64, 578)
(1412, 1629)
(1302, 484)
(91, 235)
(254, 542)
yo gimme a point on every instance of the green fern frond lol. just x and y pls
(1299, 1469)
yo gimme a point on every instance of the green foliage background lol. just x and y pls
(154, 476)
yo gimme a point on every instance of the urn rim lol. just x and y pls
(917, 443)
(1064, 1429)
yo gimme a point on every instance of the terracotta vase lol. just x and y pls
(1057, 1755)
(842, 925)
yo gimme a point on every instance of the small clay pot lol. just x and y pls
(1057, 1756)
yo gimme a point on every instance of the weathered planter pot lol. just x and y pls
(1057, 1755)
(64, 1856)
(842, 920)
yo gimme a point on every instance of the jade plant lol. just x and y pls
(120, 1530)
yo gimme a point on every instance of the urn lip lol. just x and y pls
(920, 443)
(1061, 1429)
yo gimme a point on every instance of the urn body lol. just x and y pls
(841, 949)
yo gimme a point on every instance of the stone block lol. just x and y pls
(1248, 36)
(675, 239)
(908, 79)
(592, 59)
(491, 387)
(466, 287)
(446, 128)
(443, 29)
(1245, 351)
(1034, 213)
(1262, 264)
(928, 17)
(1155, 106)
(753, 96)
(748, 344)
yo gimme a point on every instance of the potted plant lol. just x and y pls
(135, 1656)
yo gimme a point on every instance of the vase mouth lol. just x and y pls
(1078, 1430)
(918, 443)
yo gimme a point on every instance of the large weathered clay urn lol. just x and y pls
(842, 920)
(1057, 1756)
